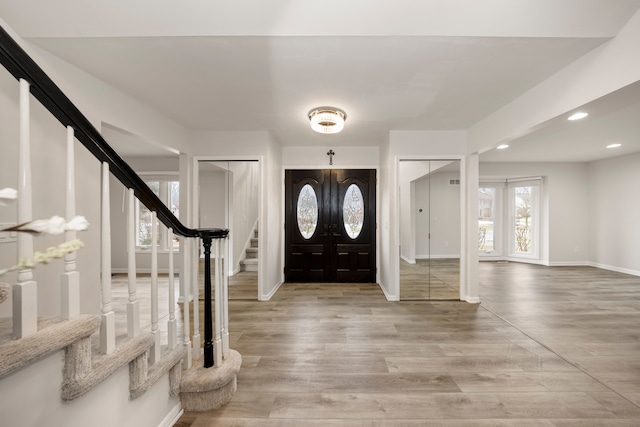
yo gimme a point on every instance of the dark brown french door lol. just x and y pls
(330, 230)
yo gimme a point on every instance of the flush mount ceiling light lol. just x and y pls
(502, 146)
(327, 119)
(578, 115)
(615, 145)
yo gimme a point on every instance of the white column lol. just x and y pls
(470, 277)
(184, 247)
(25, 292)
(133, 307)
(217, 343)
(171, 326)
(155, 351)
(108, 325)
(70, 279)
(225, 302)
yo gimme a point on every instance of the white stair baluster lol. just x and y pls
(217, 344)
(186, 286)
(133, 307)
(155, 351)
(195, 292)
(25, 292)
(70, 279)
(225, 301)
(171, 326)
(108, 325)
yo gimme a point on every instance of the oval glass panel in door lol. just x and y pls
(353, 211)
(307, 211)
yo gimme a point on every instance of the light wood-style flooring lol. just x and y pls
(548, 346)
(430, 279)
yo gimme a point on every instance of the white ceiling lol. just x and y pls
(402, 64)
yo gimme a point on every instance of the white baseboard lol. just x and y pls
(173, 416)
(407, 260)
(437, 256)
(616, 269)
(388, 296)
(272, 293)
(568, 264)
(143, 270)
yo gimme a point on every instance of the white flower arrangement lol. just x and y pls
(44, 257)
(53, 225)
(7, 195)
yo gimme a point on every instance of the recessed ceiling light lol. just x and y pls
(502, 146)
(577, 116)
(616, 145)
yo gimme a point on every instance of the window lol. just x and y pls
(167, 188)
(524, 206)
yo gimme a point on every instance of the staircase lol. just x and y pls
(250, 261)
(71, 347)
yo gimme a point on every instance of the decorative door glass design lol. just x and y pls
(353, 211)
(307, 211)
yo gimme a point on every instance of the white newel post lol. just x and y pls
(25, 292)
(217, 344)
(225, 301)
(133, 307)
(108, 325)
(155, 351)
(171, 326)
(70, 279)
(186, 286)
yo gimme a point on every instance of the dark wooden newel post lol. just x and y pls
(208, 323)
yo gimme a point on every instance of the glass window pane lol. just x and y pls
(307, 211)
(143, 237)
(486, 219)
(353, 211)
(523, 221)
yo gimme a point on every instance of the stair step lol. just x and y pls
(249, 264)
(252, 253)
(254, 242)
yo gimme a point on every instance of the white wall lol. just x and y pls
(614, 205)
(440, 216)
(317, 158)
(565, 207)
(212, 198)
(31, 397)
